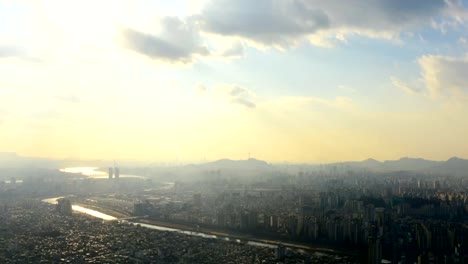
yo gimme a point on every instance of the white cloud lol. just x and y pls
(445, 76)
(441, 77)
(405, 87)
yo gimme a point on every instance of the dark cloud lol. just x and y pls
(380, 14)
(280, 22)
(265, 21)
(179, 41)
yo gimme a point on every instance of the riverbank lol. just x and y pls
(104, 210)
(243, 237)
(194, 229)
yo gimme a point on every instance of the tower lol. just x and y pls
(116, 170)
(111, 172)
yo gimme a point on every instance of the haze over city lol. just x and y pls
(234, 131)
(295, 81)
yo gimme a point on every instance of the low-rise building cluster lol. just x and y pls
(35, 232)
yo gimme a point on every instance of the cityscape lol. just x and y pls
(234, 131)
(239, 211)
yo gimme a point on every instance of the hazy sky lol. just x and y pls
(287, 80)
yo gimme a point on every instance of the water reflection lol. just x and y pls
(84, 210)
(93, 213)
(93, 172)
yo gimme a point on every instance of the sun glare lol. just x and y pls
(82, 23)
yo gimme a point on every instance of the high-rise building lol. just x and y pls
(111, 172)
(280, 252)
(116, 172)
(380, 219)
(64, 206)
(197, 200)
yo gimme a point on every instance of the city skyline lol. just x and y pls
(295, 81)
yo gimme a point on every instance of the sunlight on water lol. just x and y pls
(81, 209)
(92, 172)
(88, 171)
(92, 213)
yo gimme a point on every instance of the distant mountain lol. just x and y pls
(8, 155)
(12, 160)
(453, 166)
(252, 167)
(250, 164)
(371, 163)
(410, 164)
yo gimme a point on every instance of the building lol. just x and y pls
(111, 172)
(197, 200)
(64, 206)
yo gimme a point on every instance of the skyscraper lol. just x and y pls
(111, 172)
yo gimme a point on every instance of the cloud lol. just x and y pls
(405, 87)
(243, 101)
(283, 23)
(445, 76)
(178, 41)
(238, 95)
(264, 21)
(232, 93)
(236, 50)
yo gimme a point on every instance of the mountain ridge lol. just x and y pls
(454, 165)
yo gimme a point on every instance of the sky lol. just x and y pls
(283, 80)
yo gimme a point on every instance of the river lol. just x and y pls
(83, 210)
(107, 217)
(93, 172)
